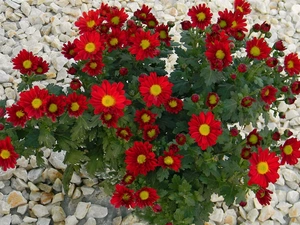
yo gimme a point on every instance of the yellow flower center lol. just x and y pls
(222, 23)
(20, 114)
(220, 54)
(253, 139)
(107, 117)
(201, 16)
(93, 65)
(126, 197)
(240, 8)
(204, 129)
(288, 150)
(151, 23)
(39, 70)
(145, 44)
(53, 107)
(114, 41)
(151, 133)
(145, 117)
(91, 23)
(163, 34)
(233, 24)
(74, 106)
(290, 64)
(36, 103)
(144, 195)
(128, 179)
(168, 160)
(262, 168)
(155, 89)
(5, 154)
(115, 20)
(173, 104)
(255, 51)
(267, 92)
(141, 159)
(27, 64)
(124, 132)
(143, 15)
(90, 47)
(212, 99)
(108, 101)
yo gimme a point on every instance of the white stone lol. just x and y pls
(21, 173)
(77, 193)
(16, 219)
(59, 197)
(40, 210)
(58, 214)
(12, 4)
(15, 199)
(91, 221)
(278, 215)
(265, 213)
(43, 221)
(217, 215)
(82, 209)
(32, 186)
(216, 198)
(57, 158)
(57, 185)
(35, 174)
(252, 215)
(4, 78)
(18, 184)
(25, 8)
(28, 219)
(76, 179)
(5, 220)
(292, 197)
(117, 220)
(295, 210)
(291, 114)
(290, 175)
(295, 8)
(97, 211)
(87, 190)
(284, 207)
(4, 207)
(22, 209)
(71, 220)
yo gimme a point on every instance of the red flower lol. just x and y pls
(128, 178)
(292, 64)
(264, 167)
(88, 46)
(42, 66)
(150, 132)
(116, 39)
(16, 115)
(76, 104)
(276, 136)
(174, 147)
(163, 34)
(180, 139)
(265, 27)
(234, 132)
(268, 94)
(155, 89)
(88, 22)
(295, 87)
(241, 7)
(290, 151)
(75, 84)
(186, 25)
(116, 17)
(204, 129)
(123, 71)
(170, 160)
(68, 50)
(146, 196)
(279, 45)
(247, 101)
(200, 16)
(173, 105)
(34, 101)
(123, 196)
(140, 158)
(151, 21)
(257, 48)
(225, 19)
(142, 13)
(93, 67)
(242, 68)
(25, 62)
(271, 62)
(195, 98)
(212, 100)
(109, 119)
(109, 98)
(263, 196)
(144, 117)
(253, 138)
(8, 156)
(144, 45)
(124, 133)
(246, 153)
(55, 106)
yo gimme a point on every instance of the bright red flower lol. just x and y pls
(151, 21)
(104, 10)
(144, 45)
(241, 7)
(292, 64)
(170, 160)
(212, 100)
(25, 62)
(155, 89)
(88, 22)
(253, 138)
(55, 106)
(68, 50)
(163, 32)
(173, 105)
(200, 16)
(93, 67)
(144, 117)
(238, 24)
(180, 139)
(34, 101)
(116, 17)
(142, 13)
(295, 87)
(264, 167)
(16, 115)
(204, 129)
(76, 104)
(268, 94)
(128, 178)
(140, 158)
(150, 132)
(75, 84)
(263, 196)
(110, 119)
(146, 196)
(290, 151)
(124, 133)
(225, 19)
(257, 48)
(116, 39)
(42, 66)
(88, 46)
(247, 101)
(123, 196)
(109, 98)
(8, 156)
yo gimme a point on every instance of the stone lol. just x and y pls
(75, 179)
(16, 219)
(34, 175)
(87, 190)
(295, 210)
(5, 220)
(40, 210)
(82, 209)
(58, 214)
(265, 213)
(45, 187)
(56, 159)
(117, 220)
(43, 221)
(18, 184)
(22, 162)
(252, 215)
(21, 173)
(53, 174)
(46, 198)
(71, 220)
(91, 221)
(4, 208)
(32, 187)
(4, 78)
(216, 198)
(217, 215)
(97, 211)
(292, 197)
(278, 215)
(35, 196)
(77, 193)
(15, 199)
(289, 175)
(28, 219)
(22, 209)
(59, 197)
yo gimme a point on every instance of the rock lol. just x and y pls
(21, 173)
(295, 210)
(4, 208)
(43, 221)
(82, 209)
(87, 190)
(265, 213)
(75, 179)
(217, 215)
(5, 220)
(71, 220)
(91, 221)
(117, 220)
(97, 211)
(278, 215)
(32, 187)
(289, 175)
(46, 198)
(35, 196)
(45, 187)
(5, 78)
(58, 214)
(292, 197)
(77, 193)
(18, 184)
(56, 159)
(53, 174)
(15, 219)
(15, 199)
(40, 210)
(252, 215)
(22, 209)
(59, 197)
(216, 198)
(28, 219)
(34, 175)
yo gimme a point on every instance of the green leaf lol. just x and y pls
(94, 165)
(210, 76)
(75, 156)
(162, 174)
(46, 138)
(67, 177)
(229, 106)
(31, 140)
(55, 89)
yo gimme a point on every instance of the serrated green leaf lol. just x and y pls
(75, 156)
(31, 140)
(162, 174)
(67, 177)
(46, 138)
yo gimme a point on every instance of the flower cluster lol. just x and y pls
(165, 141)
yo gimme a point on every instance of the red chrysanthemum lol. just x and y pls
(110, 119)
(292, 64)
(174, 147)
(290, 151)
(246, 153)
(263, 196)
(88, 46)
(116, 17)
(116, 39)
(295, 87)
(173, 105)
(8, 156)
(104, 10)
(241, 7)
(123, 196)
(140, 158)
(88, 22)
(163, 31)
(42, 66)
(17, 115)
(212, 100)
(124, 133)
(247, 101)
(151, 21)
(264, 167)
(76, 104)
(142, 13)
(170, 160)
(268, 94)
(238, 24)
(204, 129)
(93, 67)
(200, 16)
(257, 48)
(253, 138)
(225, 19)
(146, 196)
(144, 117)
(180, 139)
(128, 178)
(150, 132)
(155, 89)
(25, 62)
(68, 50)
(75, 84)
(55, 106)
(109, 98)
(34, 101)
(144, 45)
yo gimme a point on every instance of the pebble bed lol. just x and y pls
(30, 194)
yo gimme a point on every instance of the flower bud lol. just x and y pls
(131, 23)
(284, 88)
(279, 45)
(123, 71)
(280, 69)
(246, 153)
(195, 98)
(268, 34)
(156, 208)
(247, 101)
(180, 139)
(186, 25)
(282, 115)
(1, 126)
(288, 133)
(243, 204)
(242, 68)
(271, 62)
(256, 27)
(281, 54)
(234, 132)
(233, 76)
(266, 107)
(239, 35)
(265, 27)
(72, 71)
(276, 136)
(290, 100)
(171, 24)
(75, 84)
(295, 87)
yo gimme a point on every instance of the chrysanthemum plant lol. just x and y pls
(163, 143)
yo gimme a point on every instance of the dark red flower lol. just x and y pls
(8, 156)
(170, 160)
(265, 27)
(246, 153)
(180, 139)
(276, 136)
(123, 71)
(195, 98)
(263, 196)
(234, 132)
(279, 45)
(186, 25)
(242, 68)
(146, 196)
(150, 132)
(247, 101)
(253, 138)
(295, 87)
(76, 104)
(268, 94)
(212, 100)
(123, 196)
(75, 84)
